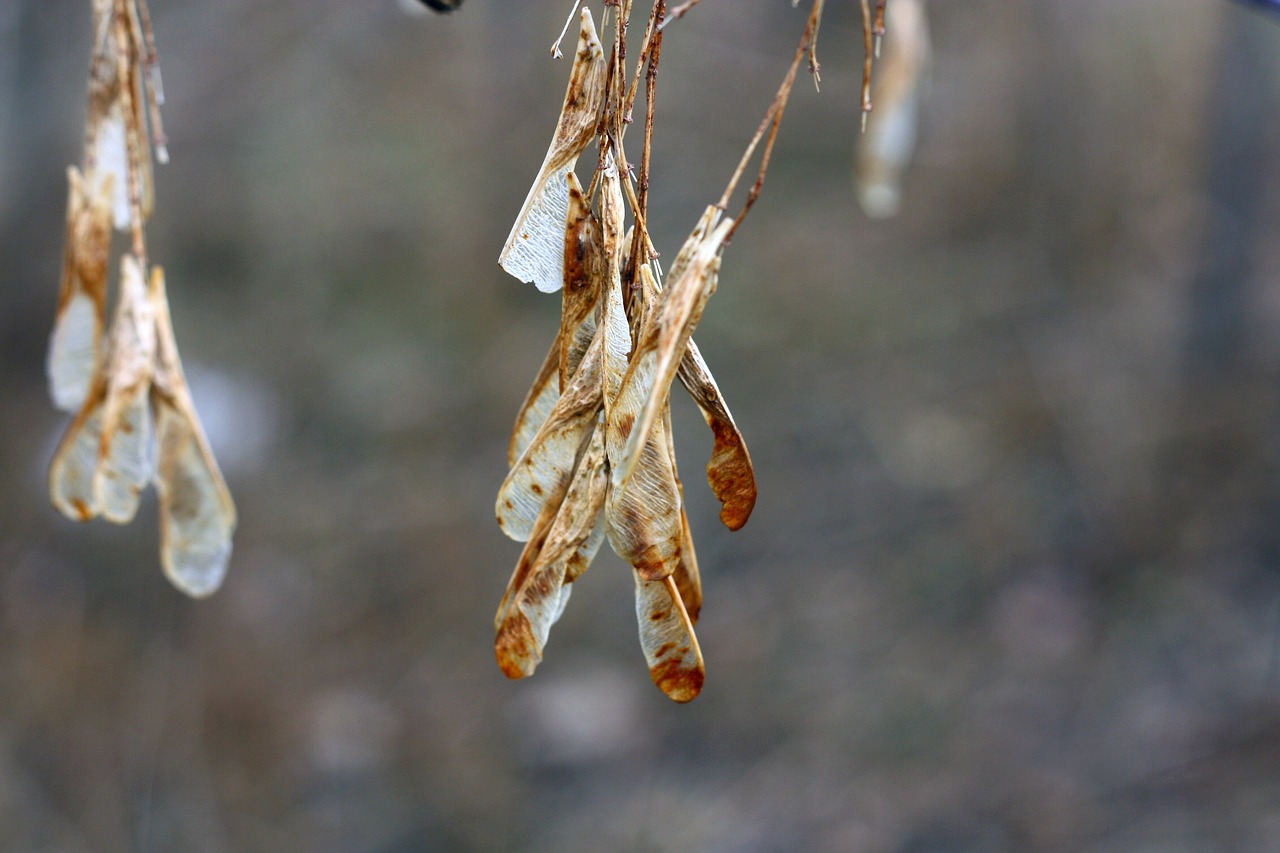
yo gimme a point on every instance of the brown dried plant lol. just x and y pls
(134, 419)
(591, 455)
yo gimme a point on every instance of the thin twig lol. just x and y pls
(878, 29)
(771, 122)
(155, 88)
(555, 45)
(650, 90)
(680, 11)
(126, 70)
(868, 53)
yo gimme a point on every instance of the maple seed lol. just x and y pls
(533, 251)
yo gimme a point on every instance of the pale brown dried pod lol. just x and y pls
(729, 471)
(534, 249)
(584, 275)
(76, 347)
(118, 93)
(537, 404)
(662, 344)
(197, 515)
(124, 456)
(668, 640)
(544, 591)
(885, 148)
(71, 473)
(551, 457)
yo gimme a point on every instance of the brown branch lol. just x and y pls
(772, 120)
(868, 52)
(680, 11)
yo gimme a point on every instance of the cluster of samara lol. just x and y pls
(591, 455)
(134, 421)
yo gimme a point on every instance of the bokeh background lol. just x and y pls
(1013, 581)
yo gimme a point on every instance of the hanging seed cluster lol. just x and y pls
(591, 455)
(134, 421)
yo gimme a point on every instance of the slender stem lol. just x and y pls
(680, 11)
(868, 53)
(878, 29)
(154, 87)
(650, 90)
(772, 120)
(126, 70)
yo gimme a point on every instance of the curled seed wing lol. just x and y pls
(551, 457)
(75, 346)
(537, 404)
(668, 640)
(74, 462)
(542, 594)
(124, 457)
(729, 472)
(197, 515)
(883, 151)
(533, 251)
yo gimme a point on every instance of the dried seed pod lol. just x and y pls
(552, 455)
(884, 150)
(537, 404)
(642, 515)
(543, 592)
(584, 272)
(729, 472)
(668, 640)
(124, 457)
(197, 515)
(534, 249)
(75, 346)
(71, 473)
(116, 112)
(662, 344)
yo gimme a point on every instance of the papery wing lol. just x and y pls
(729, 472)
(524, 628)
(546, 464)
(75, 346)
(687, 577)
(197, 515)
(74, 462)
(668, 640)
(537, 404)
(583, 280)
(642, 516)
(534, 249)
(662, 346)
(124, 466)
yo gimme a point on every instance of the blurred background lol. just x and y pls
(1013, 580)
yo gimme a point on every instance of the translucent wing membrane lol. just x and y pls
(667, 638)
(884, 150)
(524, 627)
(592, 456)
(534, 249)
(197, 516)
(124, 461)
(730, 473)
(75, 347)
(662, 344)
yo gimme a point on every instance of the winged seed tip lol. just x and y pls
(199, 574)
